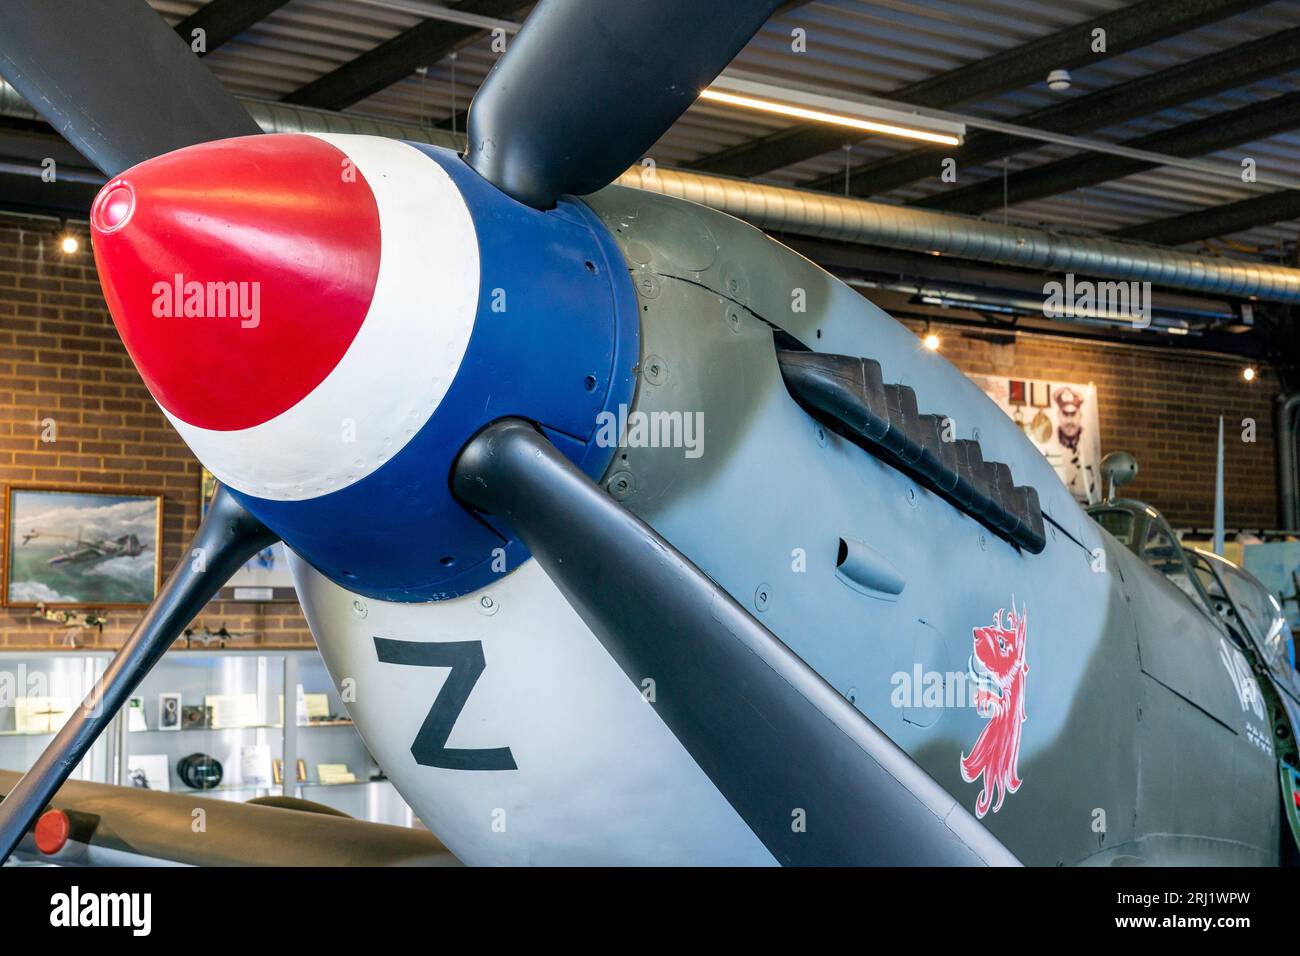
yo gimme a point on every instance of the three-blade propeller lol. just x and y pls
(586, 87)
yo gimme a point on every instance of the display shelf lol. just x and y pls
(191, 730)
(258, 675)
(346, 783)
(199, 730)
(62, 675)
(374, 800)
(273, 788)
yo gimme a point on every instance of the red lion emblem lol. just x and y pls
(998, 669)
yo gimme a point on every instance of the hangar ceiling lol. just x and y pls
(1214, 80)
(1176, 75)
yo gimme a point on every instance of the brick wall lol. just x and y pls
(1164, 407)
(61, 359)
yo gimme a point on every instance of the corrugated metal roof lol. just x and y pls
(853, 46)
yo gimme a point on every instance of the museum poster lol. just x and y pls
(1061, 420)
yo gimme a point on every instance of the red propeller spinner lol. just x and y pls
(238, 272)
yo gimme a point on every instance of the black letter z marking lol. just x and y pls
(465, 658)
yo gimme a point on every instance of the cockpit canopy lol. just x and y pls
(1144, 531)
(1227, 594)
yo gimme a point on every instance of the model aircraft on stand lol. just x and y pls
(628, 560)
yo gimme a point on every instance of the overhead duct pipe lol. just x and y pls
(13, 105)
(826, 216)
(276, 117)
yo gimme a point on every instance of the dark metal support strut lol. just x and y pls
(227, 538)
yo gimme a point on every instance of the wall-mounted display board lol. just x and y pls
(1061, 419)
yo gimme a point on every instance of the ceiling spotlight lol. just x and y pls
(931, 341)
(1058, 80)
(1248, 373)
(69, 244)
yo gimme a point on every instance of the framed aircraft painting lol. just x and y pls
(81, 548)
(263, 577)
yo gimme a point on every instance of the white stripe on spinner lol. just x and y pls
(403, 359)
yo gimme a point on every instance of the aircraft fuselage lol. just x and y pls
(1073, 699)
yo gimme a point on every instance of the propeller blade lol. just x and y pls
(114, 79)
(588, 85)
(770, 733)
(227, 538)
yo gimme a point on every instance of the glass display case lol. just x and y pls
(208, 722)
(38, 690)
(326, 737)
(218, 708)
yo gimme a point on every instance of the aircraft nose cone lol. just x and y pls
(238, 272)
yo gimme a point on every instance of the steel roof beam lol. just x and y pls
(221, 20)
(1142, 96)
(424, 44)
(1128, 28)
(28, 194)
(1220, 131)
(1214, 221)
